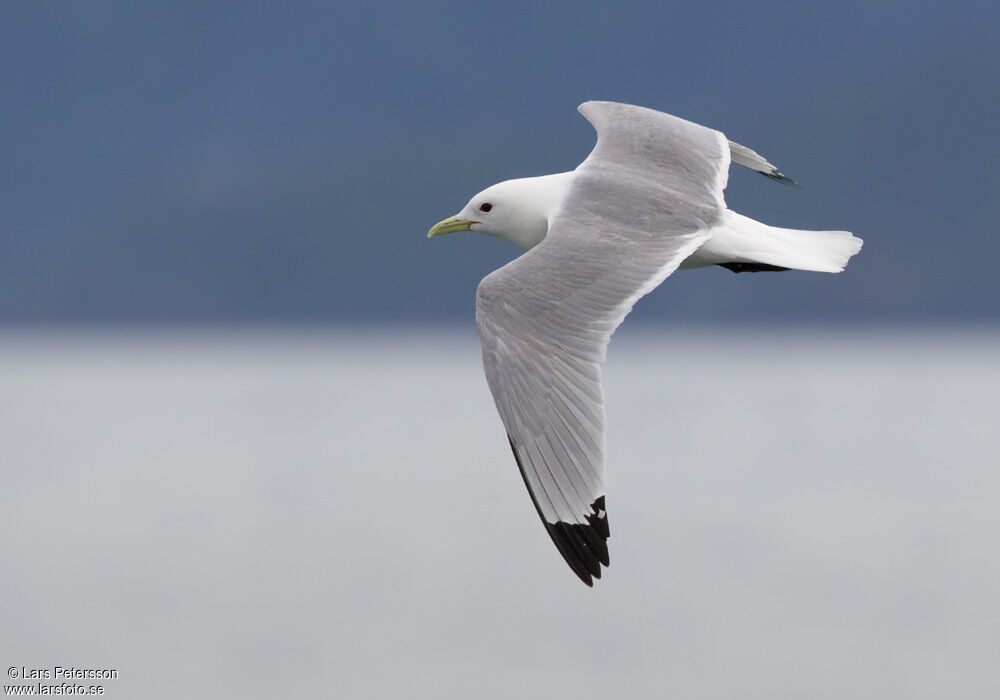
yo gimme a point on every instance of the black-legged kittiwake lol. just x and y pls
(646, 201)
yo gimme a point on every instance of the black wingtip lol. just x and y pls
(583, 546)
(782, 178)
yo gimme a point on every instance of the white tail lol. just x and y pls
(738, 238)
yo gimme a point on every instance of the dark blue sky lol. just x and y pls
(216, 162)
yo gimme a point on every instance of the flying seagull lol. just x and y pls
(646, 201)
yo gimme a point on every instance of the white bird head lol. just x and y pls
(516, 211)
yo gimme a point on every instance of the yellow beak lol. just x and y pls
(449, 225)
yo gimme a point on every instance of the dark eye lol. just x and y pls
(485, 206)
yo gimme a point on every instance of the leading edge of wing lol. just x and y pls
(584, 547)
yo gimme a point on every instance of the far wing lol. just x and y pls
(643, 201)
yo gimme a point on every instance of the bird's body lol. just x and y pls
(736, 238)
(647, 201)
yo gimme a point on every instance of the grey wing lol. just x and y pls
(748, 158)
(642, 202)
